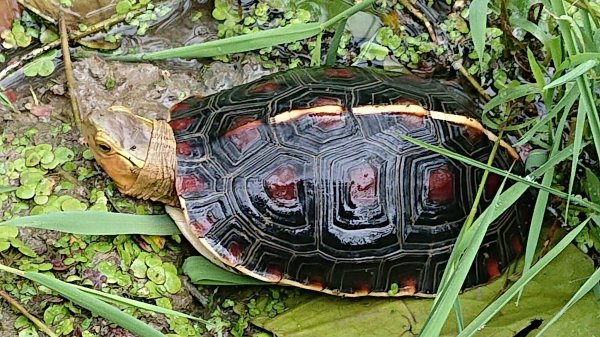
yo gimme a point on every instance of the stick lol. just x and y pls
(27, 314)
(64, 38)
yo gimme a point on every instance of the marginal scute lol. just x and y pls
(264, 87)
(180, 124)
(235, 250)
(189, 184)
(339, 73)
(183, 149)
(492, 268)
(201, 226)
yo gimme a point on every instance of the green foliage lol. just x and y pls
(42, 65)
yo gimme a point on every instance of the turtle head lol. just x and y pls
(137, 153)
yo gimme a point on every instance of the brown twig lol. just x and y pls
(414, 11)
(458, 66)
(64, 38)
(27, 314)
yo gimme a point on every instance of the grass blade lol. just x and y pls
(98, 223)
(573, 74)
(115, 299)
(477, 25)
(95, 305)
(335, 43)
(488, 313)
(230, 45)
(566, 102)
(509, 94)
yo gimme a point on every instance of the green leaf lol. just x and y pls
(527, 276)
(123, 7)
(43, 65)
(573, 74)
(477, 25)
(312, 314)
(202, 271)
(98, 223)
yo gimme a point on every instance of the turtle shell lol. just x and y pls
(302, 178)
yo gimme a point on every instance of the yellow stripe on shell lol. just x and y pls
(297, 113)
(417, 110)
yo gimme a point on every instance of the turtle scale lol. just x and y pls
(337, 202)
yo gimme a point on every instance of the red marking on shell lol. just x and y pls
(472, 134)
(316, 282)
(243, 132)
(180, 124)
(281, 185)
(517, 244)
(178, 106)
(264, 87)
(339, 73)
(408, 285)
(492, 267)
(274, 272)
(235, 250)
(183, 149)
(327, 120)
(202, 225)
(362, 185)
(406, 101)
(412, 121)
(320, 101)
(188, 184)
(492, 184)
(361, 288)
(441, 185)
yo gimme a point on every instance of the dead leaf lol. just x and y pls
(41, 110)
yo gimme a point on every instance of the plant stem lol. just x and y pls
(64, 39)
(27, 314)
(346, 14)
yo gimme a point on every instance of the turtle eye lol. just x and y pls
(104, 148)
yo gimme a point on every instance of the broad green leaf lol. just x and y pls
(98, 223)
(477, 25)
(493, 309)
(311, 314)
(573, 74)
(591, 282)
(202, 271)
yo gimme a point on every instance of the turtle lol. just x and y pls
(303, 178)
